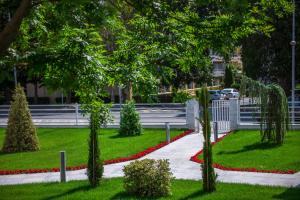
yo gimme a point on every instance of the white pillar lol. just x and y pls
(192, 114)
(234, 111)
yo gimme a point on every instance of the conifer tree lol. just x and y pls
(95, 165)
(20, 134)
(208, 173)
(229, 79)
(130, 124)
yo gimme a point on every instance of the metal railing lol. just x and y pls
(251, 113)
(71, 115)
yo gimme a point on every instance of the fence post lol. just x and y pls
(192, 113)
(168, 138)
(234, 109)
(215, 124)
(62, 166)
(76, 112)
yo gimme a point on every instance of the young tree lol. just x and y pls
(229, 79)
(20, 134)
(130, 124)
(99, 116)
(95, 166)
(208, 173)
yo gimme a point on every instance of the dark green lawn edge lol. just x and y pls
(106, 162)
(195, 158)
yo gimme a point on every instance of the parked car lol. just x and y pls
(215, 94)
(230, 93)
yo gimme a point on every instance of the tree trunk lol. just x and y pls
(130, 92)
(10, 31)
(35, 100)
(69, 97)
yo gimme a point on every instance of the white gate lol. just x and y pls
(220, 114)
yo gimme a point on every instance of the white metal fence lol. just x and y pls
(70, 115)
(250, 114)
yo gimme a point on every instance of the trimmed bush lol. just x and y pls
(20, 134)
(148, 178)
(130, 121)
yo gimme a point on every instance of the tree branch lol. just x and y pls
(10, 31)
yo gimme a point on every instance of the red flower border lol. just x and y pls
(106, 162)
(195, 158)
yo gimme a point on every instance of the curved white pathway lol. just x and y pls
(178, 153)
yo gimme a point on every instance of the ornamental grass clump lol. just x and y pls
(20, 134)
(130, 124)
(148, 178)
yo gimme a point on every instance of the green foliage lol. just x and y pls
(148, 178)
(20, 134)
(180, 96)
(268, 57)
(130, 124)
(208, 173)
(274, 118)
(95, 165)
(229, 78)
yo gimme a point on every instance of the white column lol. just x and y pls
(192, 114)
(234, 112)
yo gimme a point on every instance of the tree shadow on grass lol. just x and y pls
(195, 195)
(251, 147)
(83, 188)
(123, 136)
(125, 195)
(289, 194)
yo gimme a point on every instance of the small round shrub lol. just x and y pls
(130, 121)
(148, 178)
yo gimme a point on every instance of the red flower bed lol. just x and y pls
(218, 166)
(106, 162)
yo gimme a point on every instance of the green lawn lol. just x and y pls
(113, 189)
(75, 143)
(243, 149)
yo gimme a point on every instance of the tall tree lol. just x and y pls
(268, 58)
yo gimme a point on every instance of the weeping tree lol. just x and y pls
(208, 173)
(274, 115)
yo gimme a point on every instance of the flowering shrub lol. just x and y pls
(148, 178)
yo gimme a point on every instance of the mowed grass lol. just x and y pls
(75, 143)
(113, 189)
(243, 149)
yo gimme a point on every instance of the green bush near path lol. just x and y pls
(113, 189)
(75, 142)
(244, 149)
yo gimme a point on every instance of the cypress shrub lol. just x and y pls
(130, 121)
(229, 79)
(208, 173)
(20, 134)
(95, 165)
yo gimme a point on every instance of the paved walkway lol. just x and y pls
(178, 153)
